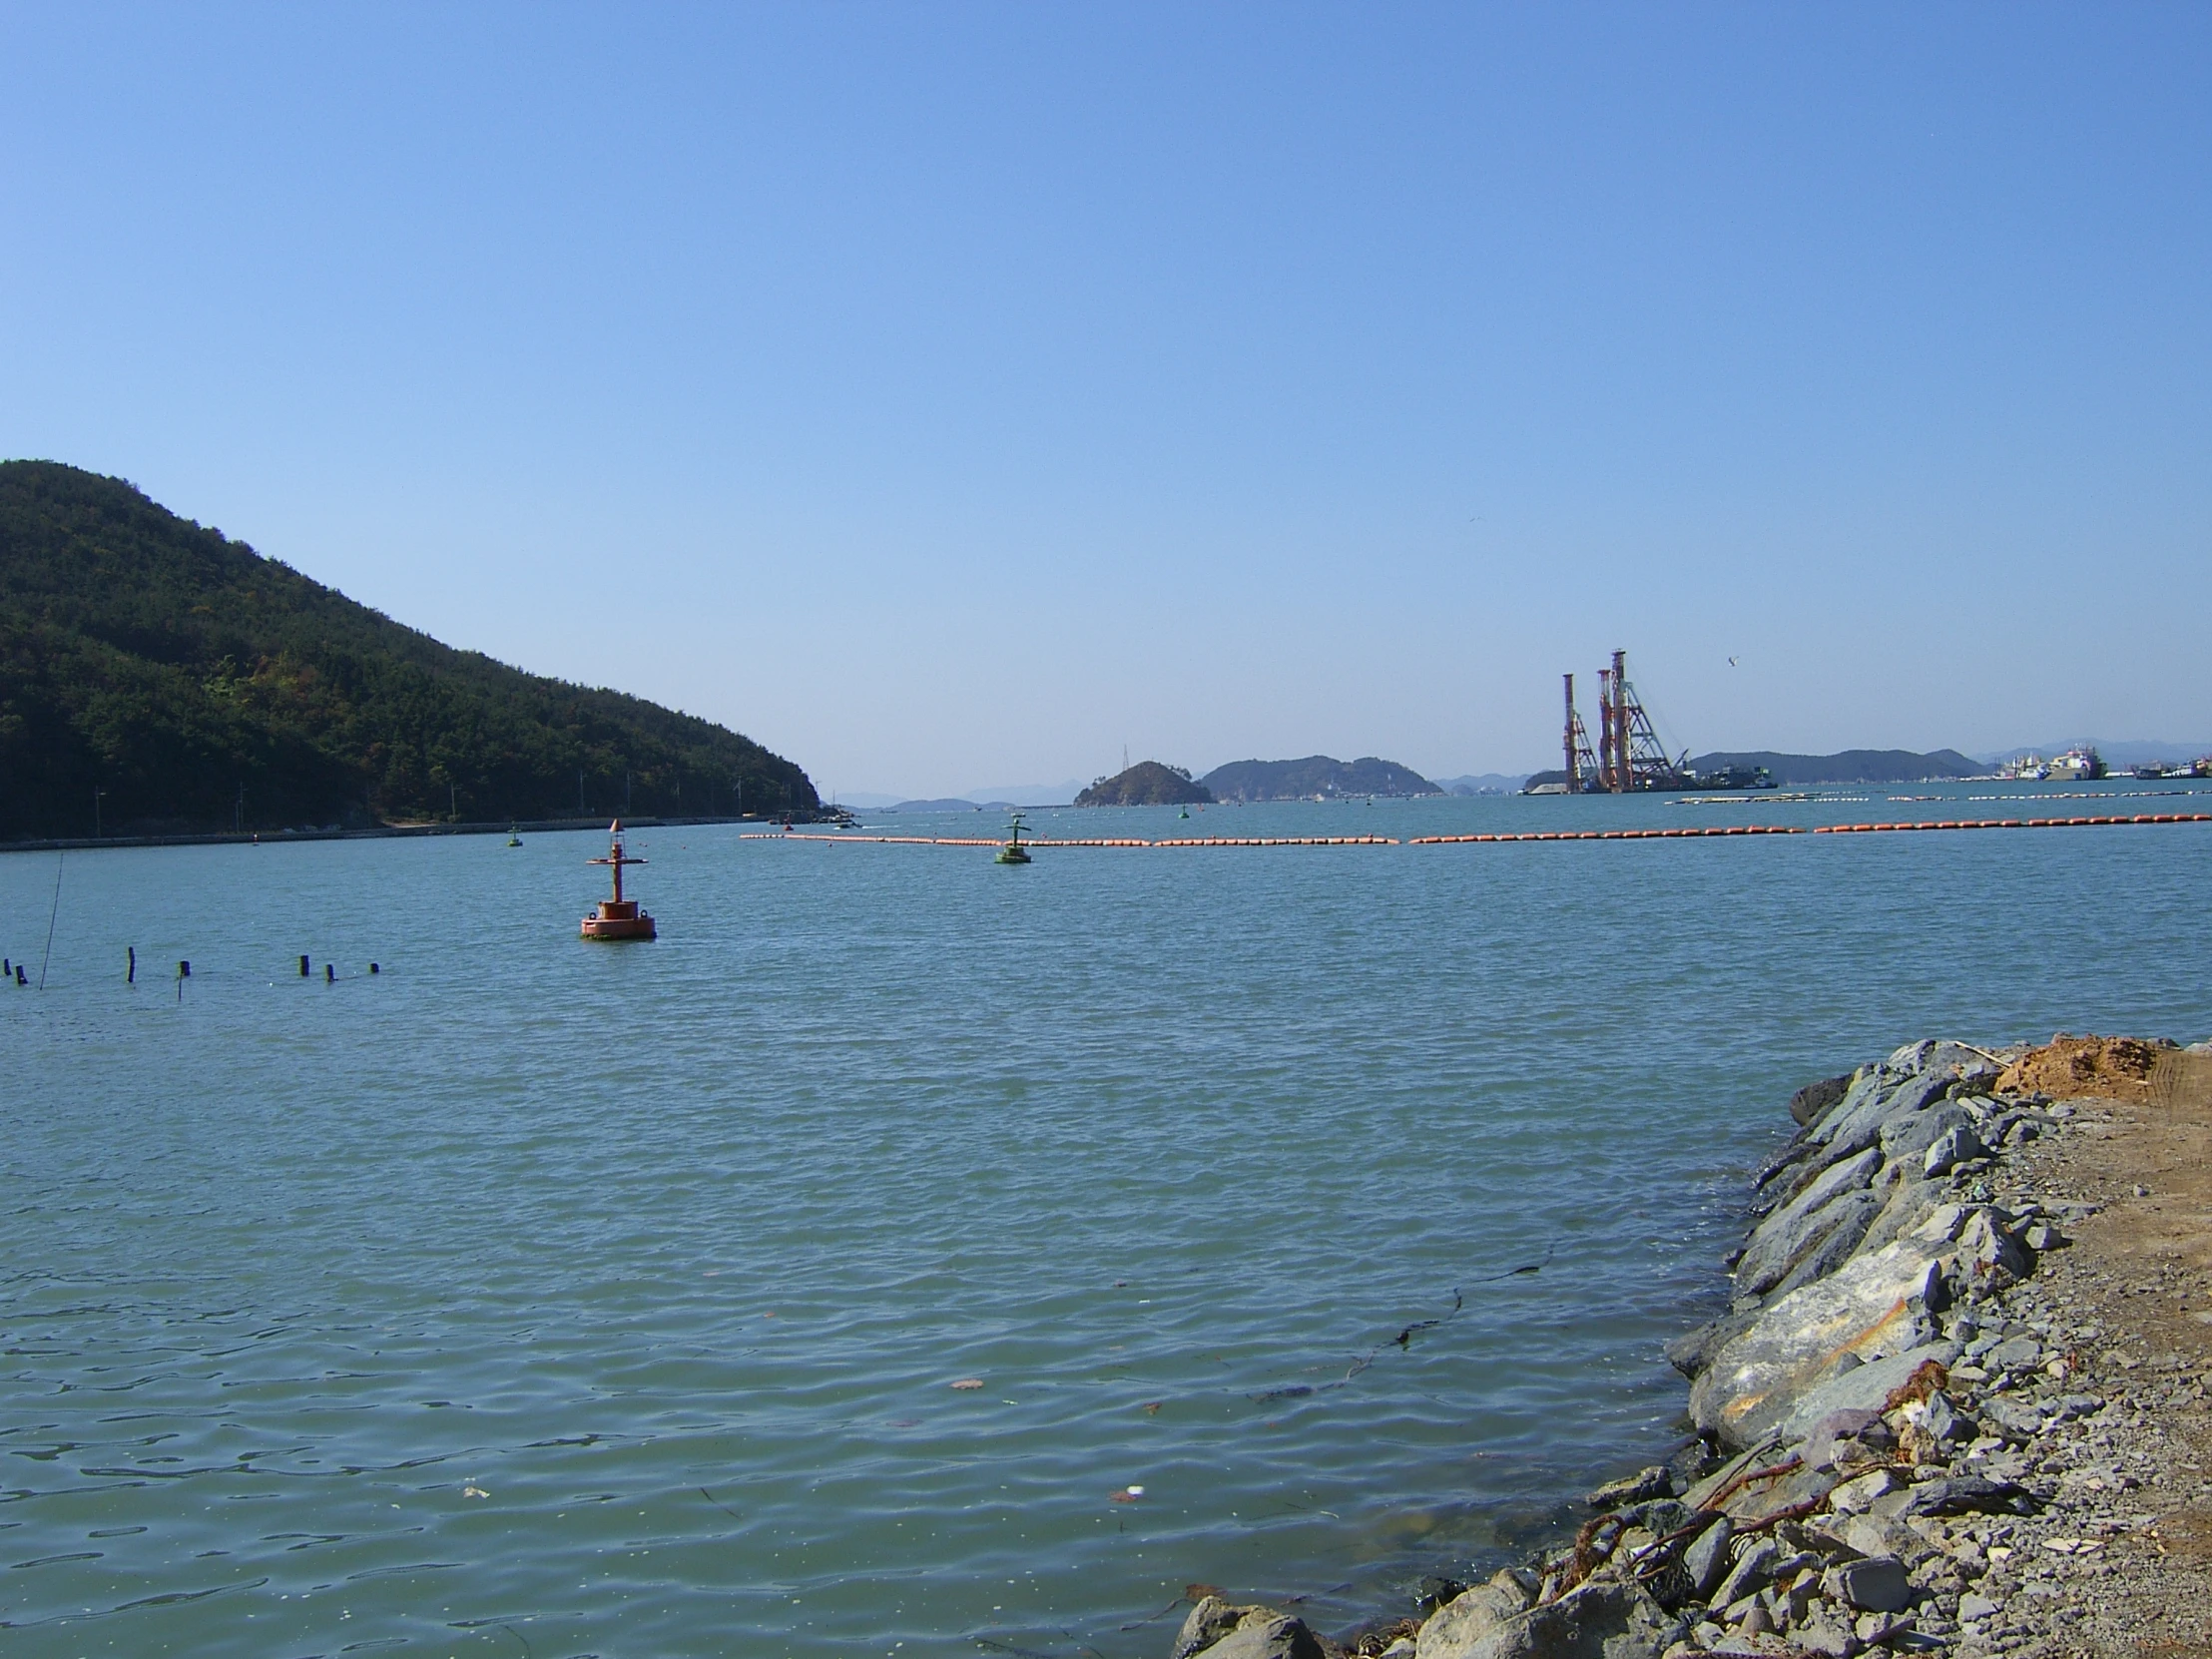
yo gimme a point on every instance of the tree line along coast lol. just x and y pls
(159, 678)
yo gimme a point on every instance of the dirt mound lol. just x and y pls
(2118, 1068)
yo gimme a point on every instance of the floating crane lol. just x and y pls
(1628, 757)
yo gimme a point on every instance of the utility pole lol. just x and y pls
(238, 812)
(96, 794)
(579, 791)
(453, 802)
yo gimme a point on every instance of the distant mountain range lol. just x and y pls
(1315, 775)
(951, 803)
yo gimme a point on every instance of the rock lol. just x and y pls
(1852, 1128)
(1435, 1592)
(1707, 1558)
(1454, 1628)
(1879, 1534)
(1974, 1605)
(1877, 1585)
(1837, 1428)
(1644, 1485)
(1605, 1619)
(1777, 1242)
(1276, 1637)
(1864, 1387)
(1907, 1139)
(2015, 1419)
(1911, 1202)
(1960, 1494)
(1954, 1146)
(1690, 1353)
(1876, 1303)
(1207, 1623)
(2015, 1353)
(1752, 1572)
(1831, 1641)
(1813, 1102)
(1403, 1648)
(1855, 1496)
(1847, 1221)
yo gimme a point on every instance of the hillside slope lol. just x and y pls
(1147, 783)
(1315, 775)
(198, 684)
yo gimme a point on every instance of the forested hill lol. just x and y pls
(1315, 775)
(171, 668)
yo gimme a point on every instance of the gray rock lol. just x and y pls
(1752, 1572)
(1813, 1102)
(1858, 1494)
(1834, 1428)
(1831, 1641)
(1207, 1623)
(1219, 1629)
(1864, 1387)
(1960, 1494)
(1974, 1605)
(1690, 1353)
(1847, 1221)
(1877, 1584)
(1454, 1628)
(1603, 1620)
(1279, 1637)
(1911, 1202)
(2015, 1420)
(1776, 1243)
(1851, 1129)
(1874, 1303)
(1878, 1534)
(1907, 1139)
(1708, 1556)
(2015, 1353)
(1954, 1146)
(1639, 1488)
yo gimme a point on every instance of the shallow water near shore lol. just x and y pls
(536, 1298)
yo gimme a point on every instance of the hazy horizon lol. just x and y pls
(955, 393)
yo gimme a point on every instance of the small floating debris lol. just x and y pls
(969, 1382)
(618, 917)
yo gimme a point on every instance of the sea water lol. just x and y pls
(914, 1255)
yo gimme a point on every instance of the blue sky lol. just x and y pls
(950, 395)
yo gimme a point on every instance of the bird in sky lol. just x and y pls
(1730, 662)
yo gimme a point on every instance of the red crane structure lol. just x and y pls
(1629, 755)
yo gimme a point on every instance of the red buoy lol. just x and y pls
(618, 917)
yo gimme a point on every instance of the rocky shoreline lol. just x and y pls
(1931, 1423)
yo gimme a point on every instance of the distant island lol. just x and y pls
(949, 804)
(196, 686)
(1315, 775)
(1147, 783)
